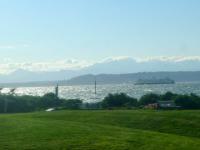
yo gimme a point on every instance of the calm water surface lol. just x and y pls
(86, 92)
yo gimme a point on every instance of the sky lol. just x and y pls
(89, 30)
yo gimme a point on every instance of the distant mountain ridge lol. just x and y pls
(186, 76)
(89, 79)
(109, 66)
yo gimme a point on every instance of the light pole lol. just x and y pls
(56, 91)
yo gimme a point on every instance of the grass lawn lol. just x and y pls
(106, 129)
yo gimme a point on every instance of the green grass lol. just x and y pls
(112, 129)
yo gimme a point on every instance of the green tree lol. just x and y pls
(168, 96)
(50, 100)
(119, 100)
(188, 101)
(149, 99)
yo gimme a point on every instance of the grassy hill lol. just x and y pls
(111, 129)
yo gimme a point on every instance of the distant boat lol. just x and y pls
(155, 81)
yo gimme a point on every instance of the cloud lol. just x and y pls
(69, 64)
(8, 65)
(150, 59)
(117, 58)
(168, 59)
(25, 45)
(7, 47)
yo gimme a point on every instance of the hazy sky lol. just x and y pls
(48, 30)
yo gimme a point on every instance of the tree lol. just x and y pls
(168, 96)
(118, 100)
(149, 99)
(50, 100)
(188, 101)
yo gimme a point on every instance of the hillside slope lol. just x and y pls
(119, 129)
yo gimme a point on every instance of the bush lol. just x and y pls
(119, 100)
(10, 103)
(96, 105)
(149, 99)
(72, 104)
(168, 96)
(50, 100)
(13, 104)
(188, 101)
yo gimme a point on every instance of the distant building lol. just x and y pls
(151, 106)
(162, 105)
(167, 104)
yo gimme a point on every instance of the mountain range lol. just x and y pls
(182, 76)
(110, 66)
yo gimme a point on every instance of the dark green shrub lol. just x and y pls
(50, 100)
(188, 101)
(72, 104)
(149, 99)
(168, 96)
(119, 100)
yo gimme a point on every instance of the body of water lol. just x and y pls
(87, 92)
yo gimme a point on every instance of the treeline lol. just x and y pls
(12, 103)
(121, 100)
(184, 101)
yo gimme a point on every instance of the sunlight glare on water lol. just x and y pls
(86, 92)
